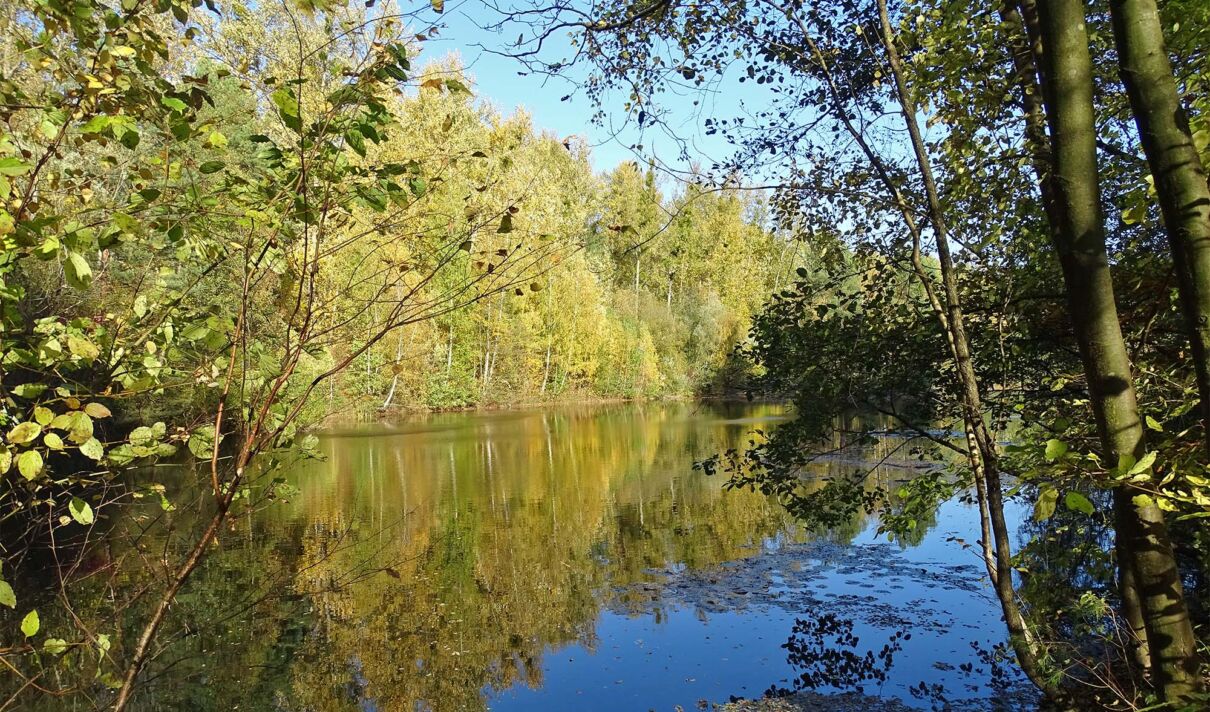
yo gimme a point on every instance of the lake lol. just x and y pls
(569, 558)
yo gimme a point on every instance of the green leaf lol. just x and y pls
(30, 624)
(1055, 449)
(141, 436)
(201, 442)
(10, 166)
(30, 464)
(1142, 500)
(6, 460)
(24, 433)
(79, 274)
(211, 167)
(29, 390)
(92, 449)
(287, 107)
(1077, 502)
(1154, 424)
(7, 597)
(356, 141)
(96, 124)
(55, 646)
(1143, 465)
(82, 348)
(53, 441)
(80, 428)
(43, 415)
(80, 511)
(1045, 505)
(174, 103)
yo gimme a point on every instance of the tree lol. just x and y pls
(1080, 243)
(1179, 177)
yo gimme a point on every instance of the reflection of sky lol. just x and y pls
(639, 662)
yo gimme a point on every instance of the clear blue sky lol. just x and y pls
(496, 80)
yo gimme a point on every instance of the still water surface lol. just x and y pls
(558, 559)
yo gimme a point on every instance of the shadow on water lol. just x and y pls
(567, 558)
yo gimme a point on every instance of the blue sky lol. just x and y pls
(496, 80)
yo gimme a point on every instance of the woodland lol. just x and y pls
(985, 226)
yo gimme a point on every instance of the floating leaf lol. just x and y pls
(96, 410)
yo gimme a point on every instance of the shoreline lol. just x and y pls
(394, 413)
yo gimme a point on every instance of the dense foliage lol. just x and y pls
(222, 224)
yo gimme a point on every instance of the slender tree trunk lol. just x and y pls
(985, 456)
(395, 378)
(390, 393)
(1026, 54)
(1180, 178)
(546, 369)
(449, 351)
(1080, 241)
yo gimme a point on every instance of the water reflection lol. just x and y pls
(537, 559)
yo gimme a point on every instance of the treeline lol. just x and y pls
(650, 301)
(223, 223)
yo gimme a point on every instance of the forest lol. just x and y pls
(940, 284)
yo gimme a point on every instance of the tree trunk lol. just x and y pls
(1080, 241)
(546, 369)
(1180, 178)
(1026, 54)
(985, 457)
